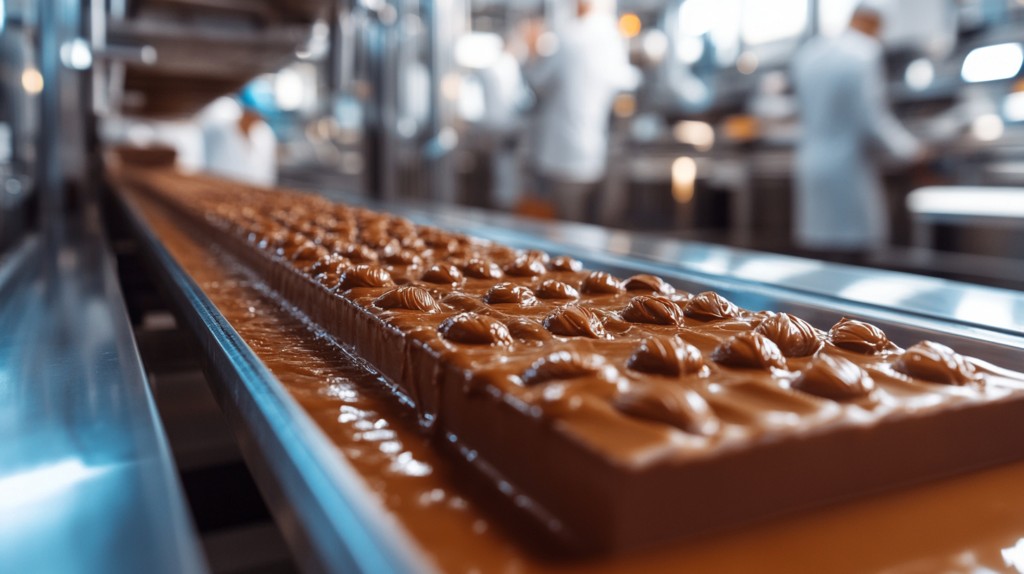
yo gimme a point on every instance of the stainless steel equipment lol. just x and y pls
(87, 483)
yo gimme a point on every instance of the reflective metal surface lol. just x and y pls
(326, 511)
(87, 483)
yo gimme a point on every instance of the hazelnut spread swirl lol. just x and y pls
(510, 293)
(551, 289)
(408, 297)
(936, 363)
(834, 378)
(750, 351)
(600, 282)
(574, 321)
(859, 337)
(364, 276)
(663, 355)
(609, 405)
(794, 336)
(710, 306)
(647, 283)
(669, 404)
(652, 309)
(473, 329)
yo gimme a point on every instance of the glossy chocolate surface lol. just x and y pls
(636, 373)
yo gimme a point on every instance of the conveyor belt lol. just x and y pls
(325, 508)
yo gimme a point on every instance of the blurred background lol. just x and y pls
(718, 120)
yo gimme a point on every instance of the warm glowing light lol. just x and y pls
(919, 74)
(32, 80)
(288, 90)
(75, 54)
(629, 25)
(770, 20)
(1013, 107)
(624, 105)
(698, 134)
(989, 63)
(689, 49)
(987, 128)
(478, 50)
(684, 176)
(747, 63)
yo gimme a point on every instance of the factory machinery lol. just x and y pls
(117, 459)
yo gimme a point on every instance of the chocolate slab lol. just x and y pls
(617, 412)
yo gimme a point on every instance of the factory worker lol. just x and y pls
(240, 145)
(576, 83)
(840, 204)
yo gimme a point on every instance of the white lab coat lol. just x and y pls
(576, 87)
(844, 113)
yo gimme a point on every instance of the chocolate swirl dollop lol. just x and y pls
(408, 297)
(403, 257)
(330, 263)
(529, 264)
(574, 321)
(358, 253)
(563, 365)
(652, 309)
(599, 282)
(565, 263)
(442, 274)
(482, 269)
(364, 276)
(710, 306)
(645, 282)
(528, 331)
(671, 404)
(859, 337)
(552, 289)
(663, 355)
(474, 329)
(937, 363)
(510, 293)
(834, 378)
(749, 351)
(794, 336)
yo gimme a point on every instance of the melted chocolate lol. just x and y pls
(408, 297)
(834, 378)
(652, 309)
(666, 355)
(749, 351)
(669, 404)
(794, 336)
(859, 337)
(473, 329)
(710, 306)
(937, 363)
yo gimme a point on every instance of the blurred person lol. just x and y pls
(576, 86)
(505, 96)
(240, 144)
(840, 204)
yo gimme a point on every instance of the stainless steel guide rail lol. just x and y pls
(87, 482)
(331, 521)
(329, 517)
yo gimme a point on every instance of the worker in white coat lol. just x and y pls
(576, 86)
(840, 204)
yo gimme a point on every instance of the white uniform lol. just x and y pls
(844, 113)
(576, 87)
